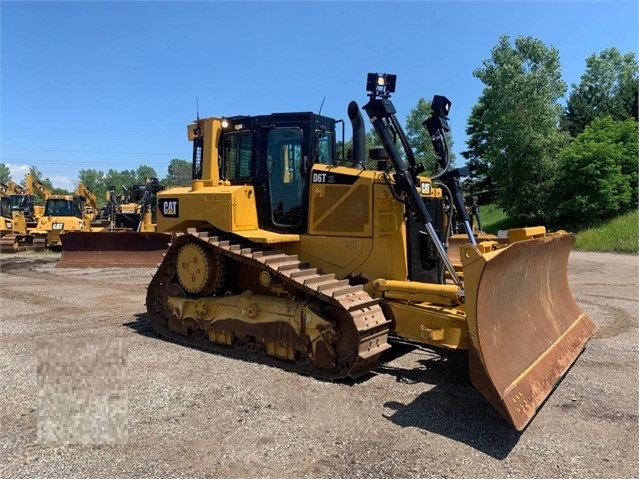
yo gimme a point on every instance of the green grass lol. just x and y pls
(493, 219)
(618, 235)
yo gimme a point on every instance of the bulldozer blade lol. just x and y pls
(112, 249)
(525, 328)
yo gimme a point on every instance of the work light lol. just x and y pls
(380, 84)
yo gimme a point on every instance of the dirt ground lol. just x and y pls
(172, 411)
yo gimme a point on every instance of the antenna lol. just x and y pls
(321, 106)
(197, 108)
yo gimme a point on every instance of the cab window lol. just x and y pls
(62, 207)
(325, 149)
(238, 156)
(5, 207)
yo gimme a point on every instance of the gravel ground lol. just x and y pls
(169, 411)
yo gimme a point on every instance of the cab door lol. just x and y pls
(285, 181)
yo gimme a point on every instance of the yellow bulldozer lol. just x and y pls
(127, 239)
(17, 217)
(61, 213)
(133, 209)
(284, 254)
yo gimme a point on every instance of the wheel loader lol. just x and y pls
(284, 254)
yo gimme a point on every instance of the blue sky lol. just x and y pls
(100, 85)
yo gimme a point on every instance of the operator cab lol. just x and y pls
(274, 153)
(17, 201)
(63, 207)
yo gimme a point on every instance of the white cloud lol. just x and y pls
(18, 172)
(61, 181)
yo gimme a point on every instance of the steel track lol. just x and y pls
(353, 302)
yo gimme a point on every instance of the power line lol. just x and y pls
(64, 168)
(85, 151)
(86, 162)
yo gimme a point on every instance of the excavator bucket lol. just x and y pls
(525, 328)
(112, 249)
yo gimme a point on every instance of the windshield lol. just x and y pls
(62, 207)
(16, 201)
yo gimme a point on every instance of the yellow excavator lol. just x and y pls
(33, 188)
(284, 254)
(90, 207)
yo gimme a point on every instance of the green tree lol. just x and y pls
(5, 173)
(144, 173)
(479, 182)
(370, 141)
(597, 175)
(95, 181)
(179, 173)
(608, 87)
(419, 138)
(516, 130)
(120, 180)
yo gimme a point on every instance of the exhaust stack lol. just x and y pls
(359, 135)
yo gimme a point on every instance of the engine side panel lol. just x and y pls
(227, 208)
(356, 227)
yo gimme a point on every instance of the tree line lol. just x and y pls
(99, 182)
(566, 166)
(178, 174)
(542, 162)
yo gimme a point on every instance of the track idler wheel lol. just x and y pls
(199, 270)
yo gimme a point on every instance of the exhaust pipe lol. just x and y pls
(359, 135)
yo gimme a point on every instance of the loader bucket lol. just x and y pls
(525, 328)
(112, 249)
